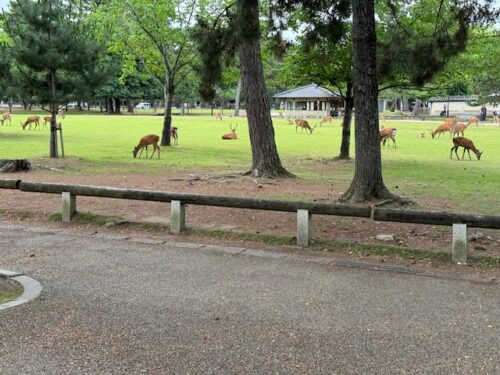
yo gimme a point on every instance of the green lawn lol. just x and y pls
(419, 168)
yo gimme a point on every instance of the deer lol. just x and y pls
(473, 120)
(47, 120)
(381, 117)
(299, 123)
(60, 113)
(458, 128)
(326, 118)
(231, 135)
(467, 145)
(144, 142)
(218, 116)
(31, 120)
(174, 135)
(388, 133)
(6, 116)
(421, 135)
(444, 127)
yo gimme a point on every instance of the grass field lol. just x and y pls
(419, 168)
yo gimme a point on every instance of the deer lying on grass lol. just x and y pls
(458, 128)
(388, 133)
(326, 118)
(299, 123)
(218, 116)
(231, 135)
(7, 117)
(174, 136)
(31, 120)
(467, 145)
(144, 142)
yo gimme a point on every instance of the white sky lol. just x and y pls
(3, 3)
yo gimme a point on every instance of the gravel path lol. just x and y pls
(120, 306)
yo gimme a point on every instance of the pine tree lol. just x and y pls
(54, 54)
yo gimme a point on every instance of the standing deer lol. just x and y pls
(174, 135)
(388, 133)
(231, 135)
(299, 123)
(31, 120)
(144, 142)
(458, 128)
(326, 118)
(473, 120)
(46, 120)
(444, 127)
(218, 116)
(7, 117)
(61, 114)
(467, 145)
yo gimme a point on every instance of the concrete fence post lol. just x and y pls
(459, 251)
(304, 229)
(68, 206)
(177, 217)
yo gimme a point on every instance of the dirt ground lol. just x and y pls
(33, 209)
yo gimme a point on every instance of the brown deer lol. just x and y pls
(444, 127)
(174, 135)
(231, 135)
(381, 117)
(326, 118)
(7, 117)
(47, 120)
(299, 123)
(60, 113)
(218, 116)
(31, 120)
(473, 120)
(467, 145)
(388, 133)
(144, 142)
(458, 128)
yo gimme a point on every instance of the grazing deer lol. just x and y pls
(444, 127)
(60, 113)
(467, 145)
(31, 120)
(326, 118)
(299, 123)
(174, 135)
(218, 116)
(458, 128)
(7, 117)
(421, 135)
(231, 135)
(388, 133)
(144, 142)
(473, 120)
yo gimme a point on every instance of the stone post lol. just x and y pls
(68, 206)
(177, 217)
(304, 230)
(459, 246)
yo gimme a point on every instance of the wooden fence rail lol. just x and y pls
(304, 210)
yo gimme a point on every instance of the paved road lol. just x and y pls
(118, 306)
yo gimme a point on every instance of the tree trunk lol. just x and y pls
(367, 183)
(265, 159)
(130, 106)
(168, 91)
(237, 99)
(109, 106)
(346, 123)
(118, 106)
(53, 124)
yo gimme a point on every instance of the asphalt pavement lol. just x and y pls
(116, 305)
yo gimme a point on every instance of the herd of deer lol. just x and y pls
(31, 120)
(450, 125)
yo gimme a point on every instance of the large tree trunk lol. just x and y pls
(118, 106)
(367, 183)
(130, 106)
(346, 123)
(168, 91)
(265, 159)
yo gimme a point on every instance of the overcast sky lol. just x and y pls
(3, 3)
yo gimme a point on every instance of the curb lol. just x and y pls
(31, 288)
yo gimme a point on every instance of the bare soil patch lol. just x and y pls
(33, 209)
